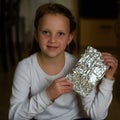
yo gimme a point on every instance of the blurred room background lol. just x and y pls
(98, 25)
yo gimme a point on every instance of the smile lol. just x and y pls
(52, 47)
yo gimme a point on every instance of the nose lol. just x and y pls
(52, 39)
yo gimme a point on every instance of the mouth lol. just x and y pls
(52, 47)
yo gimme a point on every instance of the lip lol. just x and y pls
(52, 47)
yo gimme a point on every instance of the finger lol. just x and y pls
(67, 89)
(66, 83)
(105, 53)
(61, 79)
(109, 58)
(108, 55)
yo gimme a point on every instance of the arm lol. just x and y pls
(98, 101)
(96, 104)
(21, 105)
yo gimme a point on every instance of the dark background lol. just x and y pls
(106, 9)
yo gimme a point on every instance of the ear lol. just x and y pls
(36, 35)
(71, 36)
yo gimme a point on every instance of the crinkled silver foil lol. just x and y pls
(87, 72)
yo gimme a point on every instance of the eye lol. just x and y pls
(45, 32)
(61, 33)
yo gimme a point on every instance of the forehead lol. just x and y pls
(56, 18)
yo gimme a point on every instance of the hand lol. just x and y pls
(59, 87)
(112, 62)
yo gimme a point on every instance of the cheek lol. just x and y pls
(64, 42)
(42, 40)
(41, 43)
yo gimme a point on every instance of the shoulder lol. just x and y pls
(28, 62)
(70, 61)
(70, 58)
(23, 70)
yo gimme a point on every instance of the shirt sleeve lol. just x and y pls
(22, 106)
(97, 103)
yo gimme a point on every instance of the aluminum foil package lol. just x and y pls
(87, 72)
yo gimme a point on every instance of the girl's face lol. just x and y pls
(53, 34)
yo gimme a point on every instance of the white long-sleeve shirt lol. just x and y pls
(29, 99)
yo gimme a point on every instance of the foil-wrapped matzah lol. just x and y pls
(87, 72)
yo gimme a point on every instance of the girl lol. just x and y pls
(40, 89)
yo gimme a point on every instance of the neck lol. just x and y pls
(51, 65)
(51, 60)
